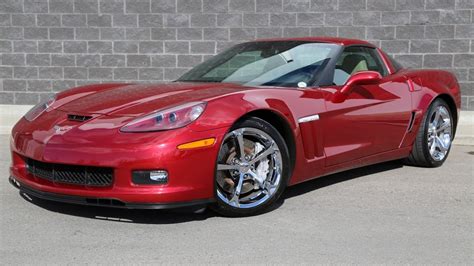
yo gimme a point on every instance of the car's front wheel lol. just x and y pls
(252, 168)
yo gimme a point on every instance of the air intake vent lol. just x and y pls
(79, 118)
(71, 174)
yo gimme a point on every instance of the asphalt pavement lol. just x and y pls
(387, 213)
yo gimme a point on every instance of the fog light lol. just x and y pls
(155, 177)
(159, 176)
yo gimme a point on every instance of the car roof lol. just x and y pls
(335, 40)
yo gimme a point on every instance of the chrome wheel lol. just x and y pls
(249, 168)
(439, 133)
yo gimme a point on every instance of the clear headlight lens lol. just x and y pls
(38, 109)
(176, 117)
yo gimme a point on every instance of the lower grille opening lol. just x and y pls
(71, 174)
(106, 202)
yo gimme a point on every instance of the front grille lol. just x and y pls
(80, 118)
(71, 174)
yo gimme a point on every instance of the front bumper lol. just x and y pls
(103, 202)
(191, 172)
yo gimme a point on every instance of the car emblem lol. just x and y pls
(61, 130)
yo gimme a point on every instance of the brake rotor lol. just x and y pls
(227, 180)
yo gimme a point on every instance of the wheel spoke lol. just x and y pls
(441, 145)
(234, 200)
(433, 147)
(437, 116)
(239, 137)
(444, 126)
(263, 154)
(224, 167)
(256, 179)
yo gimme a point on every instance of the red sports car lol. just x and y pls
(237, 129)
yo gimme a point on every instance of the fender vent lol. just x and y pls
(79, 118)
(412, 121)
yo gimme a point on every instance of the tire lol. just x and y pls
(434, 120)
(250, 183)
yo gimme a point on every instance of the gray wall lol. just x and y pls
(48, 46)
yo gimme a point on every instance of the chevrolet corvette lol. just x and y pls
(236, 130)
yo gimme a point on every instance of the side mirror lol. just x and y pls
(359, 78)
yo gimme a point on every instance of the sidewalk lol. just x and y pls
(9, 114)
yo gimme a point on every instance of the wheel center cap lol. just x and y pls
(244, 167)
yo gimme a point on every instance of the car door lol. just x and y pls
(373, 118)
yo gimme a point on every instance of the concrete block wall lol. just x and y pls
(51, 45)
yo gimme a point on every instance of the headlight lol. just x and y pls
(176, 117)
(38, 109)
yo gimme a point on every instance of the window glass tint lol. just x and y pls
(277, 63)
(356, 59)
(395, 63)
(234, 63)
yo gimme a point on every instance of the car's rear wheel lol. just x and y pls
(434, 138)
(252, 168)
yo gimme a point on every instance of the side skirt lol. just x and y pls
(365, 161)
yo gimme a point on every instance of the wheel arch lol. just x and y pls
(281, 124)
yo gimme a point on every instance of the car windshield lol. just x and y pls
(266, 63)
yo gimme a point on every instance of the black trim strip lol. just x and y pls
(412, 120)
(103, 202)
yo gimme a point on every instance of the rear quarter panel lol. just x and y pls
(432, 83)
(427, 85)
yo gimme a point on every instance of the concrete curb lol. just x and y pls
(465, 130)
(9, 114)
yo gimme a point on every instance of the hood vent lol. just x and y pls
(78, 118)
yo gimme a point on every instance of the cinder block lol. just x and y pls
(86, 6)
(438, 60)
(269, 6)
(61, 33)
(189, 33)
(332, 5)
(138, 61)
(11, 33)
(150, 20)
(111, 6)
(240, 6)
(137, 6)
(163, 60)
(113, 60)
(204, 20)
(14, 85)
(215, 6)
(176, 47)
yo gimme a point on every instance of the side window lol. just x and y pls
(355, 59)
(375, 61)
(395, 63)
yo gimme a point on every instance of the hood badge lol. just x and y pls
(59, 130)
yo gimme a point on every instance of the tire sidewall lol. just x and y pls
(257, 123)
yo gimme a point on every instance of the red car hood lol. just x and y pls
(136, 100)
